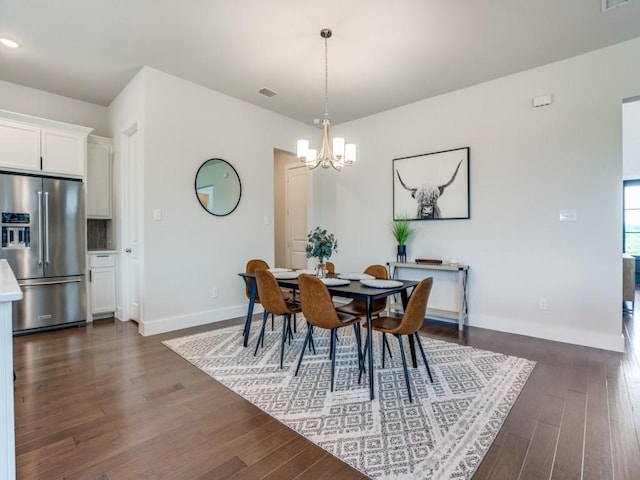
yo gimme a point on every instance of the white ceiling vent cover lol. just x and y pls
(609, 4)
(267, 92)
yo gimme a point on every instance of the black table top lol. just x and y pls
(354, 289)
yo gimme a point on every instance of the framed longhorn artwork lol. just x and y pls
(432, 186)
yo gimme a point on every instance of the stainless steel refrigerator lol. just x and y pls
(43, 240)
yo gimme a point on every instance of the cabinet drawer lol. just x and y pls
(102, 260)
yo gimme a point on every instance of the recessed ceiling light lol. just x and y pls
(9, 43)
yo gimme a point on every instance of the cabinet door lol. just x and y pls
(63, 152)
(99, 178)
(19, 146)
(103, 290)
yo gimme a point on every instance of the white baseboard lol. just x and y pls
(170, 324)
(574, 336)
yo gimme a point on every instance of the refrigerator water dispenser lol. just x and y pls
(15, 234)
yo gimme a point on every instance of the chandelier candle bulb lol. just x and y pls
(303, 148)
(349, 153)
(338, 147)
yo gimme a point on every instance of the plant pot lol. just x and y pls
(402, 254)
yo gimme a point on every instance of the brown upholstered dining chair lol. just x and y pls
(274, 303)
(331, 268)
(320, 312)
(407, 325)
(359, 307)
(251, 267)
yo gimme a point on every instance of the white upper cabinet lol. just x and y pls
(39, 145)
(19, 146)
(63, 152)
(99, 177)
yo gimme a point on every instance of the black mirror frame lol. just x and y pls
(195, 188)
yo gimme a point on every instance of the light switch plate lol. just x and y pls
(157, 214)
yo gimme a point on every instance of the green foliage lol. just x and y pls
(402, 230)
(320, 244)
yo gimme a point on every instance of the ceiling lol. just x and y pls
(383, 53)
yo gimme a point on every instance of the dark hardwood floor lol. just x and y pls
(103, 402)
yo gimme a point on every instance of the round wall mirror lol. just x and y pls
(218, 187)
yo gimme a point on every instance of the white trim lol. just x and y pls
(552, 331)
(170, 324)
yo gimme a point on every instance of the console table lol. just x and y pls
(462, 299)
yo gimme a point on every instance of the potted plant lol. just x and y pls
(402, 231)
(321, 244)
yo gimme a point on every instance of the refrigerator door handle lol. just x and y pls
(58, 282)
(46, 227)
(40, 226)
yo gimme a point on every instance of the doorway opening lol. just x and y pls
(290, 210)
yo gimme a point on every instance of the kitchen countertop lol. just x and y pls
(9, 288)
(93, 252)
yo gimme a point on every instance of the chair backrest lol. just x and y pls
(317, 306)
(377, 306)
(416, 308)
(251, 267)
(270, 294)
(378, 271)
(331, 268)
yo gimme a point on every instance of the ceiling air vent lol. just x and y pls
(609, 4)
(267, 92)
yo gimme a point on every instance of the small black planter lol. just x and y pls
(402, 253)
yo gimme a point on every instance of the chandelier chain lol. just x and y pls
(326, 80)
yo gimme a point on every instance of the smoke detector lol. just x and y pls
(611, 4)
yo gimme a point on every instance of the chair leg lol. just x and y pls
(424, 357)
(304, 347)
(333, 354)
(384, 341)
(261, 336)
(386, 344)
(285, 332)
(356, 331)
(365, 350)
(272, 318)
(404, 365)
(312, 345)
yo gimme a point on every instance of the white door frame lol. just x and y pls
(133, 187)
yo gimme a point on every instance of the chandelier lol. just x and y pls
(341, 154)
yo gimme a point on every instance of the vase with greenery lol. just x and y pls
(402, 230)
(321, 244)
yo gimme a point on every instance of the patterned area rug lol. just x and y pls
(443, 434)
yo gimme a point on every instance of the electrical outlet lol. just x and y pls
(542, 305)
(214, 292)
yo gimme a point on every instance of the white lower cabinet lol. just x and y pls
(102, 283)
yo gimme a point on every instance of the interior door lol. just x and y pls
(133, 222)
(296, 211)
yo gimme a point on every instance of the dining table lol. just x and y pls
(354, 289)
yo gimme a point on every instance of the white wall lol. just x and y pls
(631, 139)
(38, 103)
(526, 164)
(190, 251)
